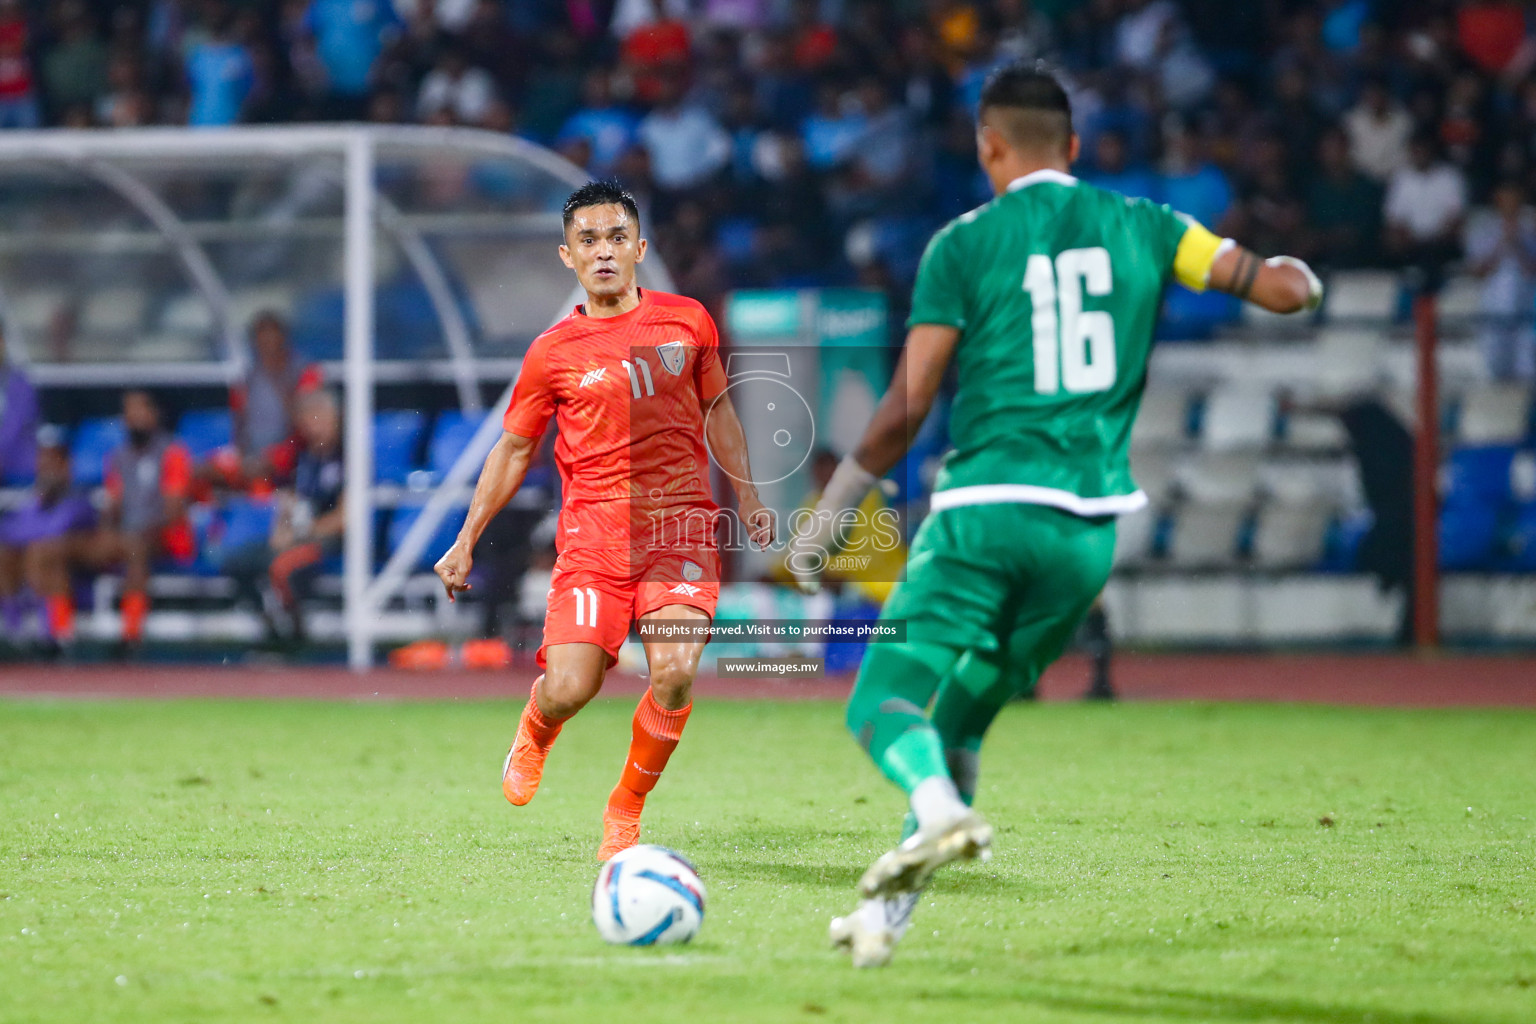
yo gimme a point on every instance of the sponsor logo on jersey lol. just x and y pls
(691, 571)
(593, 376)
(686, 589)
(673, 355)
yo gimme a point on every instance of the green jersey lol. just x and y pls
(1055, 287)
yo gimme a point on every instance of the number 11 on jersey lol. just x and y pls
(1074, 348)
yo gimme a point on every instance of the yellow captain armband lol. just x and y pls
(1197, 253)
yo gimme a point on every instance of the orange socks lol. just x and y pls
(61, 617)
(541, 729)
(654, 736)
(135, 608)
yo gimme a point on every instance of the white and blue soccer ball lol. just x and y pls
(647, 896)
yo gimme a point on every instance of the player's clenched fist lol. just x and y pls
(453, 569)
(759, 520)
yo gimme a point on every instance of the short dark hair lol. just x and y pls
(600, 193)
(1033, 106)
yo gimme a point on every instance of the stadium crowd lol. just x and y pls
(284, 449)
(821, 141)
(774, 143)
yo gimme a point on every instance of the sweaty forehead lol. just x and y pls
(600, 219)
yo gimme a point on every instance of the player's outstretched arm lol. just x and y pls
(500, 478)
(897, 419)
(1280, 284)
(728, 443)
(905, 405)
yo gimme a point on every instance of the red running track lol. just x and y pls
(1384, 680)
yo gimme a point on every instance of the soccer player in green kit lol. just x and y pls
(1046, 299)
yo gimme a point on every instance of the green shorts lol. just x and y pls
(1009, 582)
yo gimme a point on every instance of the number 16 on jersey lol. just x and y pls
(1074, 348)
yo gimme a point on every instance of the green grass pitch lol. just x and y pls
(232, 861)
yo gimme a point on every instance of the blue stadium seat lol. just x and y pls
(1522, 540)
(205, 431)
(450, 436)
(244, 521)
(407, 322)
(1479, 475)
(845, 656)
(206, 521)
(396, 437)
(90, 444)
(1341, 550)
(441, 539)
(1469, 533)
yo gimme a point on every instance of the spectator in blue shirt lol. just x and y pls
(833, 132)
(601, 131)
(348, 37)
(1112, 169)
(221, 75)
(1192, 184)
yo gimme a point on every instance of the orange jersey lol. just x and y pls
(628, 394)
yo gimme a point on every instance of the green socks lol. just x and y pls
(887, 711)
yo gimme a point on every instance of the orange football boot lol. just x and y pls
(620, 832)
(524, 768)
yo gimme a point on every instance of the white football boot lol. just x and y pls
(871, 931)
(907, 868)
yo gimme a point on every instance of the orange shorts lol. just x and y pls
(595, 593)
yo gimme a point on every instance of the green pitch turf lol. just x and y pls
(208, 861)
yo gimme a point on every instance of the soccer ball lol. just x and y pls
(647, 896)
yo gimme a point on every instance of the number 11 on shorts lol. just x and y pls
(586, 606)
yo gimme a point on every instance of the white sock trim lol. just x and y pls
(936, 802)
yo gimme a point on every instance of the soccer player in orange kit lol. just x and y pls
(634, 382)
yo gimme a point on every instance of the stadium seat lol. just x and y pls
(1290, 536)
(1362, 295)
(114, 310)
(397, 435)
(1163, 420)
(1313, 432)
(1348, 359)
(1460, 299)
(1205, 535)
(33, 307)
(1479, 476)
(1219, 477)
(1468, 535)
(1522, 540)
(1495, 414)
(205, 431)
(1303, 481)
(317, 324)
(90, 444)
(407, 324)
(1341, 552)
(1134, 538)
(442, 538)
(246, 521)
(187, 313)
(1522, 476)
(1153, 471)
(1238, 417)
(451, 434)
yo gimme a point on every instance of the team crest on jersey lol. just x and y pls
(691, 571)
(673, 355)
